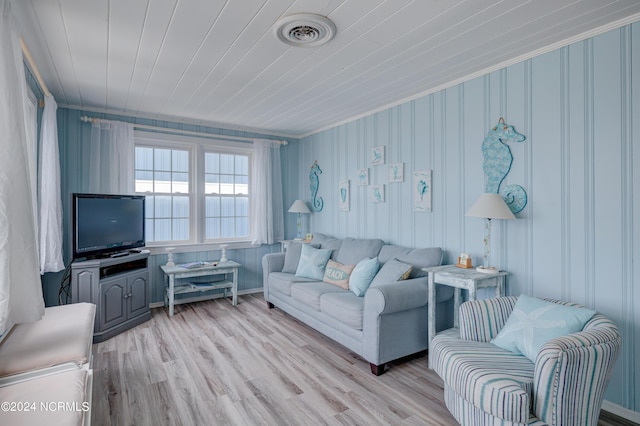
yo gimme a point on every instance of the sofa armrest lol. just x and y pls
(572, 372)
(271, 262)
(396, 297)
(481, 320)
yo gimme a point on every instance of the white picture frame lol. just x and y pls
(377, 193)
(377, 156)
(363, 176)
(343, 195)
(396, 173)
(422, 191)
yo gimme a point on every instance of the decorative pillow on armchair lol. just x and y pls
(312, 263)
(533, 322)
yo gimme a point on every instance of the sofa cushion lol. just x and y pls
(309, 293)
(354, 250)
(312, 263)
(281, 282)
(35, 345)
(392, 271)
(338, 274)
(292, 256)
(41, 397)
(344, 307)
(419, 258)
(493, 379)
(362, 275)
(533, 322)
(327, 242)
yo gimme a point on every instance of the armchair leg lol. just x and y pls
(377, 370)
(270, 305)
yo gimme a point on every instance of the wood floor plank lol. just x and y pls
(216, 364)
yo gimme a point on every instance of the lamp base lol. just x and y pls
(487, 269)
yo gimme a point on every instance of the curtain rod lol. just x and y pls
(87, 119)
(36, 73)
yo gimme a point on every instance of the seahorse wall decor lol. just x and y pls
(317, 203)
(497, 164)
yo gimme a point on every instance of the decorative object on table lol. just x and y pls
(377, 156)
(464, 261)
(299, 207)
(396, 172)
(317, 203)
(343, 190)
(363, 177)
(308, 237)
(497, 164)
(422, 191)
(489, 206)
(223, 255)
(170, 261)
(377, 193)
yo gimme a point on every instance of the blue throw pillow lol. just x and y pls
(392, 271)
(362, 275)
(312, 262)
(533, 322)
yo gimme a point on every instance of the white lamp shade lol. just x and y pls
(490, 206)
(299, 206)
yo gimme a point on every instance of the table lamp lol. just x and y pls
(489, 206)
(299, 207)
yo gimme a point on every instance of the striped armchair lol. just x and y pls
(487, 385)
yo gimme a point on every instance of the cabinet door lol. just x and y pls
(138, 294)
(114, 302)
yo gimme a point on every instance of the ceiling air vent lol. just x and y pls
(305, 30)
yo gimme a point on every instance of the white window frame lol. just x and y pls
(197, 221)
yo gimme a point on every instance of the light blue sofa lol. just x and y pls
(388, 323)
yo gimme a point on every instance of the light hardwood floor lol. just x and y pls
(213, 364)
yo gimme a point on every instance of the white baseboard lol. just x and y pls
(619, 410)
(217, 296)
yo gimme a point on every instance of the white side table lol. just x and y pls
(461, 279)
(177, 272)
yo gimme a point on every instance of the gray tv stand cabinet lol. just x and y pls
(119, 287)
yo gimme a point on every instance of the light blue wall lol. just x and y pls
(578, 237)
(73, 139)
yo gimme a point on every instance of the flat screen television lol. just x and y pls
(104, 225)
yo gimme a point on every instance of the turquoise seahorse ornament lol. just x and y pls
(497, 164)
(317, 203)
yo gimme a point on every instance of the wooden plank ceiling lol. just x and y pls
(219, 62)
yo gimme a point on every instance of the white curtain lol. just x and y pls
(112, 158)
(20, 288)
(267, 220)
(50, 197)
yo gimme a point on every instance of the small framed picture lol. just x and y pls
(422, 191)
(396, 172)
(377, 156)
(363, 177)
(343, 192)
(377, 193)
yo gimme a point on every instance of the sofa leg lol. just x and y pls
(377, 370)
(270, 305)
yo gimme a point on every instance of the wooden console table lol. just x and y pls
(178, 272)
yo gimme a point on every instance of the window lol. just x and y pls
(197, 191)
(226, 195)
(163, 175)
